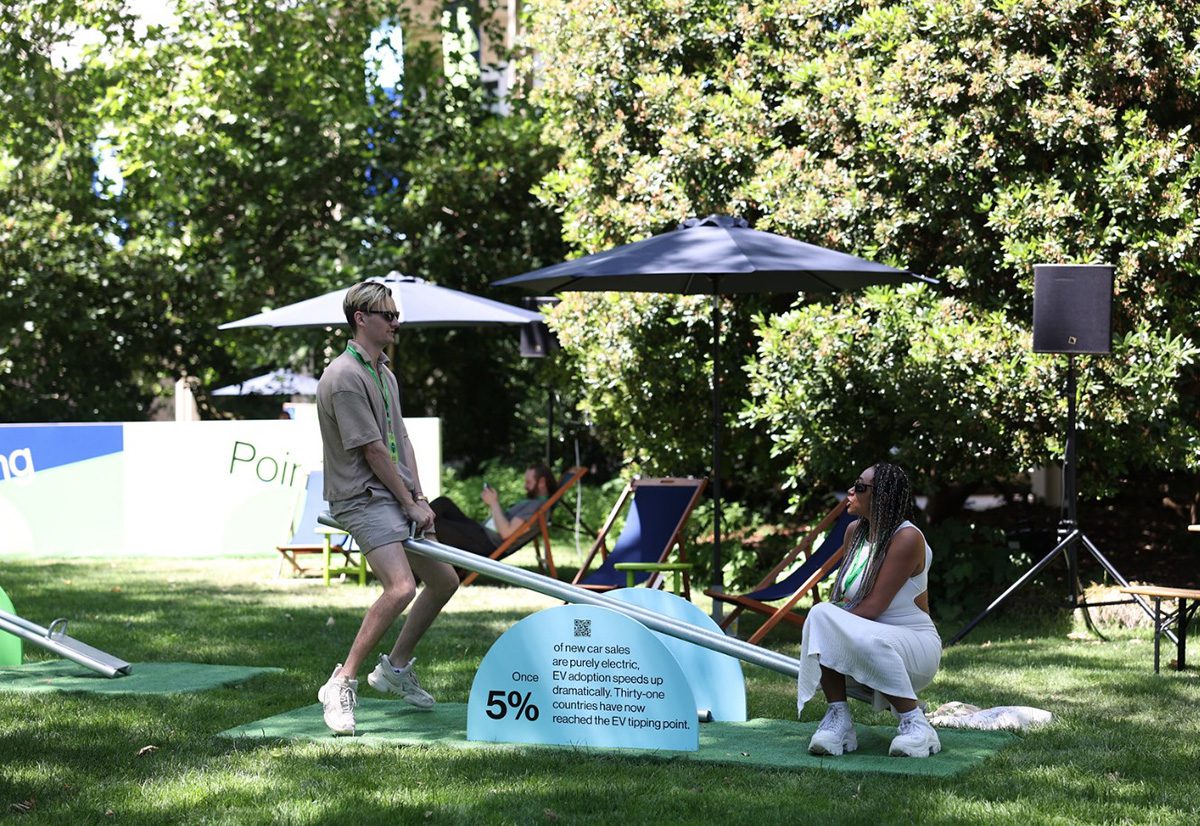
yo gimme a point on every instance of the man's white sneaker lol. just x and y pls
(916, 738)
(836, 733)
(338, 697)
(401, 681)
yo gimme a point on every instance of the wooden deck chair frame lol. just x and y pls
(541, 528)
(355, 565)
(656, 579)
(784, 612)
(291, 552)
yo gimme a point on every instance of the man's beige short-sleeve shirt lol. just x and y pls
(351, 413)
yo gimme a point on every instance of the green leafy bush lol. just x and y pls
(972, 565)
(960, 139)
(953, 393)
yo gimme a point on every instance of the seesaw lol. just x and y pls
(634, 668)
(542, 584)
(56, 639)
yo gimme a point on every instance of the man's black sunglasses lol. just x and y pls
(388, 315)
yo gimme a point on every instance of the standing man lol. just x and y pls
(373, 490)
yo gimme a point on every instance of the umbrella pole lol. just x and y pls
(718, 577)
(549, 426)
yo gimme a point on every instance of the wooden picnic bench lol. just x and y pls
(1183, 615)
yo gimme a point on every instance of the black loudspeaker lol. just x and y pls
(1072, 308)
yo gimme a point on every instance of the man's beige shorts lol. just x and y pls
(374, 518)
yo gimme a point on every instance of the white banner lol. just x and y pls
(166, 488)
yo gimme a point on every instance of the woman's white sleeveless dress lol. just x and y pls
(896, 653)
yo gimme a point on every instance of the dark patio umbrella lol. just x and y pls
(714, 255)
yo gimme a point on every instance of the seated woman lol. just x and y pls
(876, 631)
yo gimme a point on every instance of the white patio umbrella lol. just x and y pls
(419, 303)
(276, 383)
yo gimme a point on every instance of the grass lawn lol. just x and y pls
(1125, 746)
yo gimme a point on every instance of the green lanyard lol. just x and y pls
(393, 449)
(857, 563)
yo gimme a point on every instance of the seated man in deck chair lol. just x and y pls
(461, 531)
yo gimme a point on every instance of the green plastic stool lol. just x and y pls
(10, 646)
(675, 568)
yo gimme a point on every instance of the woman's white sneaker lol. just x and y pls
(916, 738)
(836, 733)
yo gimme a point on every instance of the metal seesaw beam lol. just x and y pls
(56, 639)
(571, 593)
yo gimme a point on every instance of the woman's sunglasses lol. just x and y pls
(860, 487)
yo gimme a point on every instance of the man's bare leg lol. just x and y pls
(390, 565)
(439, 582)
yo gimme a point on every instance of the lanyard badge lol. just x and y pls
(857, 562)
(393, 448)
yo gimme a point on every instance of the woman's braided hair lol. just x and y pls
(891, 504)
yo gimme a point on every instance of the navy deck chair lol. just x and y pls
(309, 537)
(658, 512)
(804, 580)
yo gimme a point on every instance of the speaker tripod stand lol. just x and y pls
(1070, 538)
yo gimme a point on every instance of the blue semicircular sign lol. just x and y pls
(584, 676)
(716, 679)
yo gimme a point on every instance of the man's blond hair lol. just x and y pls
(368, 295)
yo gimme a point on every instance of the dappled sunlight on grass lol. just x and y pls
(1124, 744)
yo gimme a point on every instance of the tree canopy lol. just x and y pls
(962, 139)
(157, 182)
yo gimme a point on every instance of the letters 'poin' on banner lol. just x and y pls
(583, 676)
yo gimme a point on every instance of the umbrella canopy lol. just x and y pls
(419, 303)
(718, 254)
(714, 255)
(277, 383)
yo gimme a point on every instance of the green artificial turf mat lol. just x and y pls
(145, 678)
(767, 744)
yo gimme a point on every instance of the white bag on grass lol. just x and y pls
(965, 715)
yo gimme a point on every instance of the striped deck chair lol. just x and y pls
(658, 512)
(804, 580)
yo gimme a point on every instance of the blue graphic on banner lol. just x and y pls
(584, 676)
(716, 679)
(26, 449)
